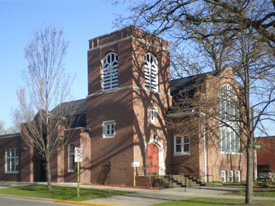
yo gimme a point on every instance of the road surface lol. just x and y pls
(19, 201)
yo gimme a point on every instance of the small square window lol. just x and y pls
(154, 114)
(108, 129)
(181, 145)
(223, 175)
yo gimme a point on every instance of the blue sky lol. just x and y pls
(80, 20)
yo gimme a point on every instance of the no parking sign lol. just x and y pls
(78, 154)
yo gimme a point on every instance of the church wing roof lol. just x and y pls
(190, 84)
(186, 87)
(12, 135)
(77, 109)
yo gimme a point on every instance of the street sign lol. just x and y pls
(78, 158)
(78, 154)
(135, 164)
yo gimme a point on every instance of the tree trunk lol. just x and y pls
(250, 137)
(249, 176)
(49, 177)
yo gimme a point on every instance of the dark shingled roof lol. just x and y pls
(186, 84)
(13, 135)
(189, 84)
(79, 106)
(78, 110)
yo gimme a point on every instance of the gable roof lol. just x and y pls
(78, 110)
(185, 84)
(79, 106)
(190, 84)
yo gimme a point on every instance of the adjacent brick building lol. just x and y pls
(266, 153)
(123, 121)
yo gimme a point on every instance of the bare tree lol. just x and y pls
(2, 128)
(178, 17)
(239, 33)
(47, 87)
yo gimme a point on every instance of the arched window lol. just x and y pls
(151, 72)
(110, 72)
(229, 140)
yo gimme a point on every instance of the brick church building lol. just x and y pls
(123, 122)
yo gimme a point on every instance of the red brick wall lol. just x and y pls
(266, 154)
(217, 161)
(95, 56)
(80, 138)
(71, 176)
(8, 143)
(26, 156)
(118, 150)
(187, 163)
(54, 166)
(85, 165)
(144, 129)
(128, 106)
(194, 164)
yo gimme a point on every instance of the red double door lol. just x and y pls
(152, 158)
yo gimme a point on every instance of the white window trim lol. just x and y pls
(228, 130)
(238, 175)
(69, 154)
(227, 94)
(6, 162)
(104, 129)
(11, 173)
(223, 174)
(231, 175)
(232, 153)
(110, 78)
(154, 115)
(182, 153)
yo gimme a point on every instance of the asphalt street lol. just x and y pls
(6, 200)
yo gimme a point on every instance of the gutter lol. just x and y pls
(76, 128)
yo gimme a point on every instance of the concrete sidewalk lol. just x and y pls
(151, 197)
(147, 197)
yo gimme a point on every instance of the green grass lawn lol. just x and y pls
(62, 193)
(202, 201)
(257, 192)
(270, 193)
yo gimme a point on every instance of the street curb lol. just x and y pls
(82, 203)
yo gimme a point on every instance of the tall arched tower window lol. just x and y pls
(229, 140)
(110, 72)
(151, 72)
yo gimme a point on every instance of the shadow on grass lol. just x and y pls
(257, 192)
(212, 202)
(63, 193)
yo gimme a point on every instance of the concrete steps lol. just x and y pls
(179, 181)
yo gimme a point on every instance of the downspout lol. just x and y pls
(204, 149)
(204, 146)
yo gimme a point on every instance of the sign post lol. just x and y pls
(78, 158)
